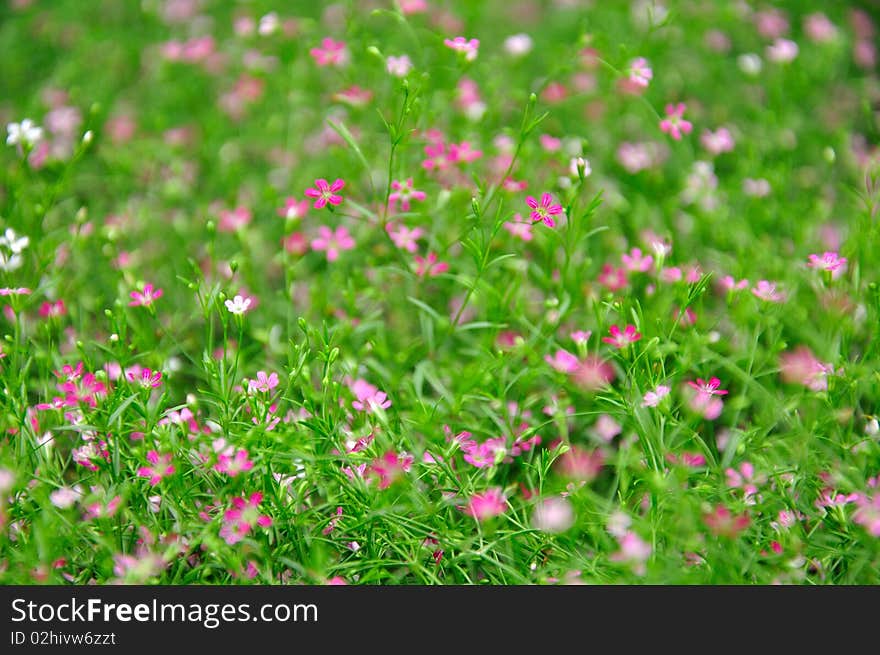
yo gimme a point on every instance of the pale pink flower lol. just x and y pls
(390, 467)
(717, 142)
(398, 66)
(234, 219)
(332, 241)
(330, 53)
(430, 265)
(819, 28)
(867, 513)
(146, 297)
(580, 464)
(743, 478)
(640, 72)
(782, 51)
(800, 366)
(593, 373)
(238, 305)
(606, 428)
(519, 228)
(674, 124)
(581, 337)
(613, 278)
(620, 339)
(485, 505)
(146, 378)
(65, 497)
(563, 361)
(636, 261)
(767, 291)
(160, 467)
(469, 48)
(759, 188)
(728, 283)
(553, 514)
(369, 398)
(653, 398)
(634, 551)
(404, 192)
(263, 382)
(403, 237)
(721, 522)
(324, 192)
(545, 210)
(293, 209)
(242, 518)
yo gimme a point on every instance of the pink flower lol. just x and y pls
(324, 193)
(721, 522)
(519, 228)
(867, 513)
(404, 192)
(717, 142)
(145, 298)
(636, 261)
(829, 261)
(403, 237)
(330, 53)
(332, 241)
(369, 398)
(263, 382)
(429, 265)
(235, 219)
(767, 291)
(640, 72)
(145, 377)
(634, 551)
(744, 479)
(620, 339)
(469, 48)
(293, 209)
(653, 398)
(490, 503)
(593, 373)
(53, 309)
(691, 460)
(545, 211)
(578, 463)
(160, 466)
(563, 361)
(390, 467)
(800, 366)
(782, 51)
(728, 283)
(233, 465)
(674, 123)
(553, 514)
(242, 518)
(398, 66)
(709, 388)
(606, 428)
(819, 28)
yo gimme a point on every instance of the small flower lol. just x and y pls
(146, 378)
(709, 388)
(518, 45)
(263, 382)
(554, 515)
(146, 297)
(470, 48)
(238, 305)
(580, 337)
(65, 497)
(53, 309)
(430, 265)
(293, 209)
(403, 237)
(640, 72)
(653, 398)
(620, 339)
(563, 361)
(398, 66)
(404, 193)
(717, 142)
(519, 228)
(828, 261)
(767, 291)
(332, 241)
(242, 518)
(235, 464)
(580, 464)
(867, 513)
(721, 522)
(15, 243)
(637, 262)
(490, 503)
(324, 192)
(369, 398)
(160, 467)
(674, 123)
(545, 211)
(26, 133)
(634, 551)
(390, 467)
(330, 53)
(801, 366)
(782, 51)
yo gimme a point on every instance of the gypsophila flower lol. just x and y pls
(469, 48)
(621, 339)
(26, 133)
(325, 193)
(674, 124)
(545, 210)
(640, 72)
(398, 66)
(146, 297)
(653, 398)
(238, 305)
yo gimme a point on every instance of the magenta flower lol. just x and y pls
(867, 513)
(620, 339)
(403, 237)
(263, 382)
(146, 297)
(332, 241)
(235, 464)
(369, 398)
(145, 377)
(721, 522)
(634, 551)
(801, 366)
(242, 518)
(53, 309)
(614, 279)
(545, 211)
(490, 503)
(709, 388)
(674, 124)
(323, 192)
(470, 48)
(706, 401)
(160, 466)
(637, 262)
(581, 337)
(563, 361)
(330, 53)
(640, 72)
(390, 467)
(430, 265)
(829, 261)
(653, 398)
(580, 464)
(404, 193)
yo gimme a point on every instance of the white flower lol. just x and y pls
(749, 63)
(268, 24)
(238, 305)
(518, 45)
(27, 132)
(578, 163)
(65, 497)
(14, 242)
(10, 262)
(398, 66)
